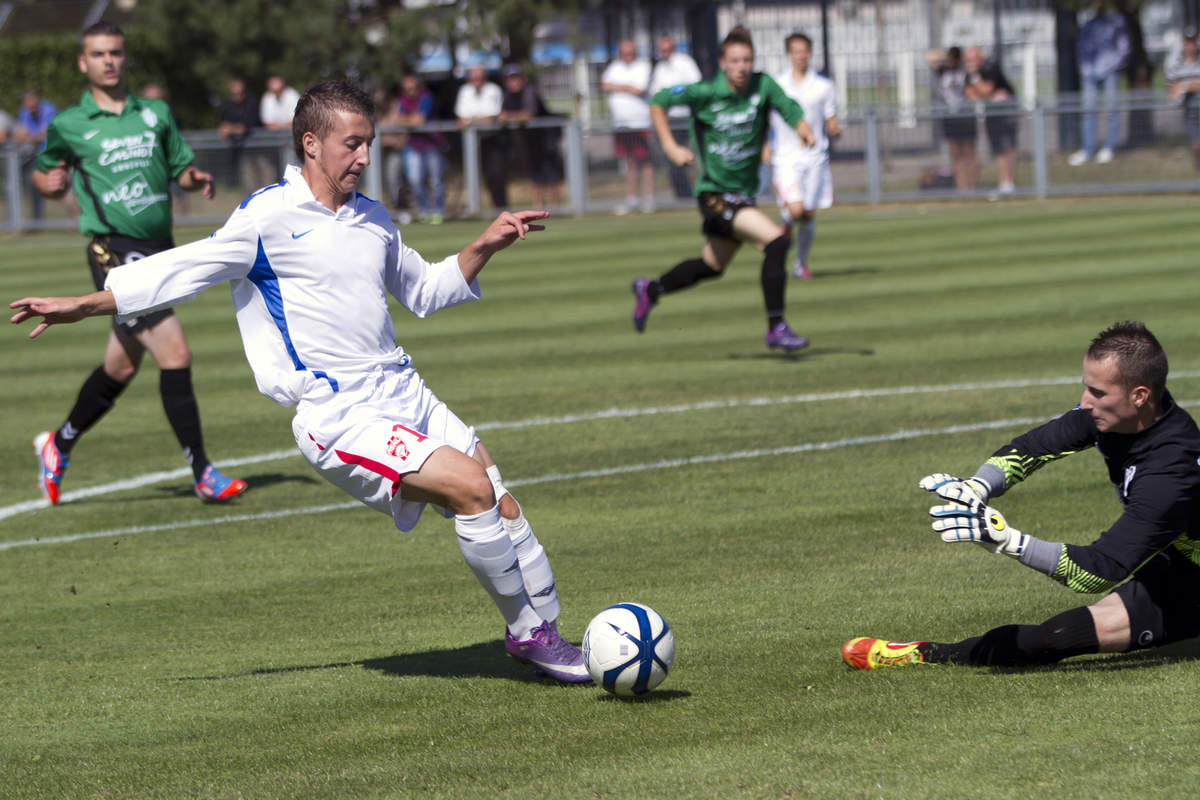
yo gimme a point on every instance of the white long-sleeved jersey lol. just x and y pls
(309, 286)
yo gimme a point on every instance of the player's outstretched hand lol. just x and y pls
(965, 518)
(510, 226)
(931, 483)
(59, 310)
(804, 131)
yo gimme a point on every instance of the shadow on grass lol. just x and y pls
(1188, 650)
(252, 482)
(820, 273)
(656, 696)
(806, 354)
(482, 660)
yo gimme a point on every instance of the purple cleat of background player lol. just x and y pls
(642, 304)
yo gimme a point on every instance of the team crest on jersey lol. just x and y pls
(396, 448)
(149, 117)
(1129, 472)
(754, 99)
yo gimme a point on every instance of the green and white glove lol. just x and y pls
(931, 483)
(965, 518)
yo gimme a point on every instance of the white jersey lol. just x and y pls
(630, 111)
(309, 287)
(816, 96)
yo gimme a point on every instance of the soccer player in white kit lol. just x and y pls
(801, 174)
(310, 262)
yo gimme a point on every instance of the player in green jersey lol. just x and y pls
(124, 151)
(730, 117)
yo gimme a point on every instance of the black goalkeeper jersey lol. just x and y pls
(1156, 473)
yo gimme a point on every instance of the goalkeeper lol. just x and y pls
(1147, 564)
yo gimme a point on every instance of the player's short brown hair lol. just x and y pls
(737, 35)
(1140, 359)
(317, 106)
(100, 28)
(797, 37)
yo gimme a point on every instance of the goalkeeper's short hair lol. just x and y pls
(1140, 359)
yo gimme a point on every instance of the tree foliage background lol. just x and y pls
(193, 47)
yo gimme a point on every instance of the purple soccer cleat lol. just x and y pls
(783, 337)
(642, 304)
(550, 653)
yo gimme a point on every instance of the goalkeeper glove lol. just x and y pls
(931, 483)
(965, 518)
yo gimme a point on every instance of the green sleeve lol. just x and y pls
(179, 153)
(56, 150)
(788, 108)
(690, 95)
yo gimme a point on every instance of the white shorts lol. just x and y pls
(365, 437)
(807, 183)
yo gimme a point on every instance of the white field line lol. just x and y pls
(673, 463)
(612, 413)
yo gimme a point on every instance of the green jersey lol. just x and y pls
(730, 127)
(124, 164)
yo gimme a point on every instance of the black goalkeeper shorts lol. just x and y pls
(108, 252)
(1163, 600)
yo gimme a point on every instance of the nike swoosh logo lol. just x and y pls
(305, 233)
(90, 134)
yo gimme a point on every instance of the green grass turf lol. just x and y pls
(325, 655)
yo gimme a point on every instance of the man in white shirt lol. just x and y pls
(626, 80)
(801, 174)
(478, 103)
(675, 69)
(278, 104)
(310, 262)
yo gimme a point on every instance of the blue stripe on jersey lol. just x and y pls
(253, 195)
(263, 276)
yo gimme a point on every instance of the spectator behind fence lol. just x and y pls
(478, 103)
(33, 118)
(6, 124)
(626, 80)
(986, 83)
(1101, 51)
(424, 164)
(958, 122)
(521, 103)
(239, 118)
(1182, 71)
(675, 69)
(278, 104)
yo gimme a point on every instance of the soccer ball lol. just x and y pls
(628, 649)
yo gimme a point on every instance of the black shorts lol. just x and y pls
(1002, 133)
(960, 128)
(717, 210)
(107, 252)
(1163, 600)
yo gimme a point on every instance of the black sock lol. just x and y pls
(1071, 633)
(184, 415)
(681, 276)
(96, 397)
(774, 278)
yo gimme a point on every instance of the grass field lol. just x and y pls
(293, 645)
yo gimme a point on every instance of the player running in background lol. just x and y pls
(730, 117)
(125, 151)
(801, 174)
(311, 262)
(1151, 554)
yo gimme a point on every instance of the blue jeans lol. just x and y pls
(424, 170)
(1091, 89)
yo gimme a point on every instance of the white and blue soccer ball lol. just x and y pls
(628, 649)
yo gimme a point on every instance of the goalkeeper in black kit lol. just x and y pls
(1147, 564)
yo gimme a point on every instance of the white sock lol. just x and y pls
(535, 564)
(804, 238)
(490, 554)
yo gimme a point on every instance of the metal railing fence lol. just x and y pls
(884, 155)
